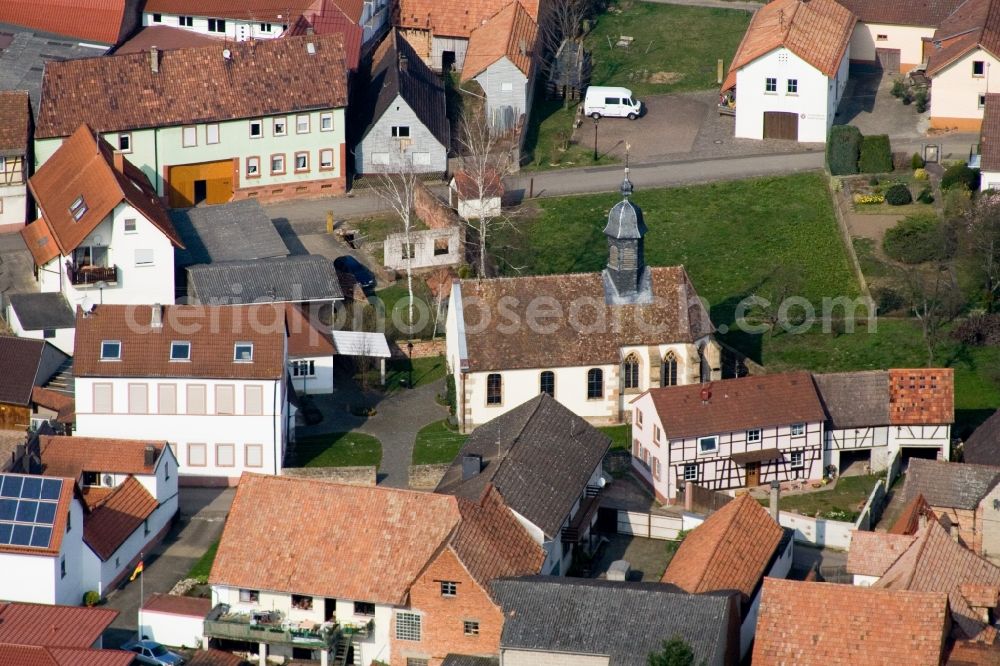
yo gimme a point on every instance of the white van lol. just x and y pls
(611, 102)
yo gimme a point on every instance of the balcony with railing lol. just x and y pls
(272, 627)
(91, 276)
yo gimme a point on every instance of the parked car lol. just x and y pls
(151, 652)
(611, 102)
(360, 273)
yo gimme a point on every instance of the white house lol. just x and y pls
(41, 538)
(790, 70)
(103, 236)
(129, 488)
(895, 35)
(587, 339)
(15, 119)
(502, 59)
(734, 433)
(211, 379)
(248, 20)
(310, 351)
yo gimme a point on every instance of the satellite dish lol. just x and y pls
(108, 481)
(601, 482)
(227, 54)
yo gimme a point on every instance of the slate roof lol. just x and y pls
(53, 626)
(737, 404)
(359, 542)
(676, 310)
(41, 310)
(261, 78)
(948, 484)
(85, 167)
(921, 396)
(818, 624)
(165, 38)
(872, 553)
(212, 332)
(974, 23)
(233, 231)
(990, 134)
(295, 279)
(120, 514)
(20, 363)
(818, 31)
(623, 620)
(15, 117)
(935, 562)
(983, 446)
(510, 33)
(412, 80)
(100, 21)
(453, 18)
(855, 399)
(71, 456)
(924, 13)
(539, 456)
(731, 550)
(468, 660)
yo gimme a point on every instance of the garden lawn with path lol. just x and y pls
(338, 449)
(842, 502)
(675, 49)
(437, 443)
(395, 300)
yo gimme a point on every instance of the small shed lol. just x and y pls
(174, 620)
(360, 343)
(475, 197)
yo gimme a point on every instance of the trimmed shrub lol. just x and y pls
(957, 202)
(918, 238)
(876, 154)
(916, 162)
(920, 98)
(960, 174)
(898, 88)
(843, 149)
(898, 195)
(926, 196)
(91, 598)
(921, 174)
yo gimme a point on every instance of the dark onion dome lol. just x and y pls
(625, 219)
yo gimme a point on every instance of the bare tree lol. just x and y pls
(935, 299)
(487, 157)
(397, 186)
(560, 20)
(981, 246)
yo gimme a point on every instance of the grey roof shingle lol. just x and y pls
(19, 361)
(293, 279)
(983, 446)
(948, 484)
(539, 456)
(623, 620)
(228, 232)
(468, 660)
(37, 311)
(855, 399)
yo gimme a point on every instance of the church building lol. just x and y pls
(592, 341)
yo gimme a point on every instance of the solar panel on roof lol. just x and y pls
(5, 530)
(11, 486)
(51, 489)
(46, 513)
(32, 488)
(28, 510)
(21, 535)
(40, 536)
(8, 508)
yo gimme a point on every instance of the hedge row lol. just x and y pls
(848, 152)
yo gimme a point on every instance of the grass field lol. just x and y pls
(848, 496)
(203, 566)
(339, 449)
(395, 298)
(621, 436)
(437, 444)
(425, 371)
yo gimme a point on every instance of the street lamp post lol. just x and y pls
(596, 120)
(409, 351)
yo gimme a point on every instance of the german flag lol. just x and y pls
(138, 570)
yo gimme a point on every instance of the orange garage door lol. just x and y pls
(191, 184)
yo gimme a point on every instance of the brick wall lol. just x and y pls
(432, 211)
(443, 617)
(427, 477)
(421, 348)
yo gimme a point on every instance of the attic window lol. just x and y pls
(400, 131)
(78, 208)
(243, 352)
(180, 351)
(111, 350)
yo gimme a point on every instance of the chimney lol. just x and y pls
(954, 532)
(775, 496)
(922, 520)
(522, 46)
(119, 161)
(404, 63)
(154, 60)
(689, 496)
(706, 395)
(156, 316)
(149, 456)
(472, 465)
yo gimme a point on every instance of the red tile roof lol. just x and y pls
(64, 405)
(909, 521)
(215, 658)
(14, 120)
(453, 18)
(98, 21)
(117, 517)
(468, 187)
(66, 495)
(177, 605)
(737, 404)
(972, 653)
(326, 18)
(85, 167)
(731, 550)
(26, 655)
(872, 553)
(821, 624)
(973, 24)
(354, 542)
(165, 38)
(511, 32)
(212, 331)
(923, 13)
(306, 335)
(53, 626)
(818, 31)
(260, 78)
(921, 396)
(276, 11)
(71, 456)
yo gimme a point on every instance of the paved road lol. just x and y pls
(203, 513)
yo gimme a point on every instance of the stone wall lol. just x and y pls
(421, 348)
(427, 477)
(434, 212)
(362, 475)
(428, 248)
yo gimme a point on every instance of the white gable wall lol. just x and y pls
(956, 91)
(867, 37)
(38, 578)
(379, 151)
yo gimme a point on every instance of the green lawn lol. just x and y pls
(395, 298)
(425, 371)
(339, 449)
(676, 49)
(848, 497)
(437, 443)
(203, 566)
(621, 436)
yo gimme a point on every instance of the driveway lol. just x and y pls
(868, 104)
(203, 514)
(16, 265)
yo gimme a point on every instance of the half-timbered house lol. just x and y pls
(15, 141)
(728, 434)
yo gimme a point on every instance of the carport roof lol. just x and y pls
(296, 279)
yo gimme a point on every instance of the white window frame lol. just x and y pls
(236, 352)
(981, 101)
(217, 26)
(117, 344)
(770, 85)
(284, 126)
(397, 131)
(982, 64)
(326, 122)
(253, 167)
(789, 84)
(284, 167)
(78, 208)
(715, 444)
(130, 222)
(180, 344)
(801, 455)
(144, 257)
(754, 435)
(128, 139)
(325, 164)
(409, 626)
(189, 136)
(249, 596)
(798, 429)
(259, 124)
(690, 472)
(212, 134)
(303, 120)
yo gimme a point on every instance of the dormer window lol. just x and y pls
(180, 351)
(243, 352)
(111, 350)
(78, 208)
